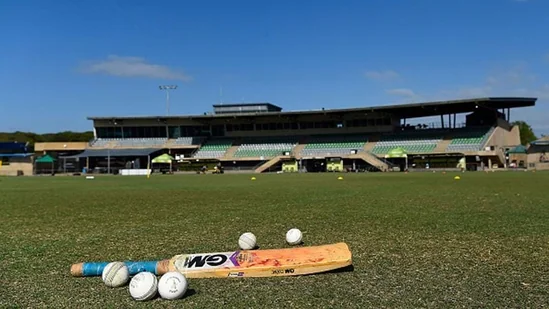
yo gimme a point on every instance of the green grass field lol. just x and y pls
(418, 240)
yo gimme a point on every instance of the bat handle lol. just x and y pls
(92, 269)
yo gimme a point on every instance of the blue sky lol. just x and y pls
(61, 61)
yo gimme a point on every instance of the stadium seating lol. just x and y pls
(214, 148)
(333, 145)
(413, 142)
(101, 142)
(265, 147)
(469, 139)
(183, 141)
(141, 142)
(130, 142)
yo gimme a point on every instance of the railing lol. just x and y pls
(486, 138)
(420, 126)
(390, 164)
(261, 163)
(193, 153)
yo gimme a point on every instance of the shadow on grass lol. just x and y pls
(345, 269)
(188, 293)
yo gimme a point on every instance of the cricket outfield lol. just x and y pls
(417, 239)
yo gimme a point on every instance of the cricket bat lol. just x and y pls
(235, 264)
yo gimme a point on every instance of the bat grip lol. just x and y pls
(92, 269)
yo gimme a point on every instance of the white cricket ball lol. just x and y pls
(247, 241)
(115, 274)
(172, 285)
(294, 236)
(143, 286)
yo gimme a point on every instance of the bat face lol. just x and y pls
(262, 263)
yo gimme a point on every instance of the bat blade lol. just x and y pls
(262, 263)
(245, 263)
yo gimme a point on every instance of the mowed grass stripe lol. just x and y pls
(418, 240)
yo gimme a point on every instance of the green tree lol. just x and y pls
(32, 138)
(526, 133)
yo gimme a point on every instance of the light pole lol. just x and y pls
(167, 88)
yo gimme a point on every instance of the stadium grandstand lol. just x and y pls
(15, 159)
(261, 137)
(537, 154)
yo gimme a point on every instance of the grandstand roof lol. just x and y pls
(544, 141)
(13, 146)
(248, 104)
(246, 108)
(15, 155)
(413, 110)
(113, 153)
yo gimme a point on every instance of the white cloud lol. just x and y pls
(132, 67)
(542, 93)
(491, 80)
(405, 95)
(402, 92)
(513, 81)
(535, 116)
(515, 75)
(382, 75)
(474, 92)
(516, 80)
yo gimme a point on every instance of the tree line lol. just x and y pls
(32, 138)
(527, 134)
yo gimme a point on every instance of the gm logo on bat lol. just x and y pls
(207, 261)
(198, 261)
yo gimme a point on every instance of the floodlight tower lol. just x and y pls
(167, 88)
